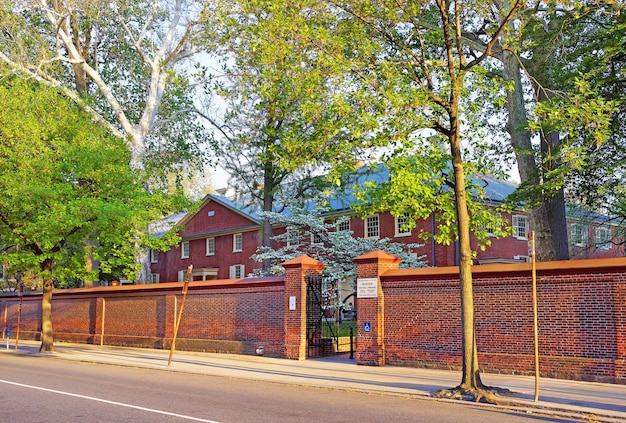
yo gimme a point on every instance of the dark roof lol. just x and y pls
(495, 190)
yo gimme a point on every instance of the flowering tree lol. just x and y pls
(309, 231)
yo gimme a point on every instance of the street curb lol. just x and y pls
(513, 405)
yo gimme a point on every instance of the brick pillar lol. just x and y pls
(295, 304)
(370, 306)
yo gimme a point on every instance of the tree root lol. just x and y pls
(482, 394)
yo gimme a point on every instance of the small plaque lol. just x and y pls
(367, 288)
(292, 302)
(367, 327)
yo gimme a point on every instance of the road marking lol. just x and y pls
(121, 404)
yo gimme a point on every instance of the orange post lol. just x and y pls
(180, 313)
(531, 245)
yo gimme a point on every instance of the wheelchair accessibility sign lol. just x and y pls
(367, 326)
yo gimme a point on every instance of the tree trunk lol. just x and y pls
(522, 146)
(47, 344)
(558, 225)
(555, 202)
(268, 206)
(471, 374)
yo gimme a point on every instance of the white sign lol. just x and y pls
(292, 302)
(367, 288)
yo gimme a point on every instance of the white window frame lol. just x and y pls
(184, 250)
(579, 235)
(237, 271)
(375, 223)
(603, 242)
(210, 246)
(399, 221)
(515, 223)
(293, 236)
(316, 239)
(344, 226)
(237, 243)
(155, 278)
(154, 256)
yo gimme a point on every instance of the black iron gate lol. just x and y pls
(321, 333)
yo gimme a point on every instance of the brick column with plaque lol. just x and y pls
(370, 304)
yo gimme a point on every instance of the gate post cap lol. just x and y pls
(304, 262)
(378, 256)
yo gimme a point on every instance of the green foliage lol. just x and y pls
(421, 185)
(278, 123)
(574, 54)
(66, 188)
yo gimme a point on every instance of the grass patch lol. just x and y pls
(330, 329)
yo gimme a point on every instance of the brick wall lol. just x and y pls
(233, 316)
(413, 321)
(581, 309)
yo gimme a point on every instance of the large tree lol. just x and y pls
(275, 98)
(65, 180)
(406, 67)
(559, 53)
(122, 59)
(127, 63)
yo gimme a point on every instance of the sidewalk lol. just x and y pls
(597, 402)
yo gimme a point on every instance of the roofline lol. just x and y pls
(212, 197)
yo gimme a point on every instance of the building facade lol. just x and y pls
(219, 238)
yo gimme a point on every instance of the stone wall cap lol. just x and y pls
(303, 261)
(579, 266)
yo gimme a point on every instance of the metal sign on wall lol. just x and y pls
(367, 288)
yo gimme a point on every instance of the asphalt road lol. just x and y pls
(36, 389)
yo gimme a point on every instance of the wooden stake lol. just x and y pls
(180, 314)
(531, 242)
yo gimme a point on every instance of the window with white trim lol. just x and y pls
(210, 246)
(372, 227)
(316, 239)
(154, 278)
(520, 226)
(293, 236)
(603, 238)
(237, 243)
(578, 235)
(184, 249)
(154, 256)
(402, 225)
(237, 271)
(344, 225)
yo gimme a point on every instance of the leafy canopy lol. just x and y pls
(66, 187)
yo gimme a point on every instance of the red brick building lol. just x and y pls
(221, 236)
